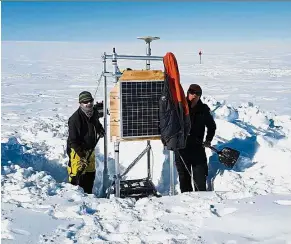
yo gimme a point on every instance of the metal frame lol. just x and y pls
(115, 74)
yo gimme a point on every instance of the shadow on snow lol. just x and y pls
(15, 153)
(247, 148)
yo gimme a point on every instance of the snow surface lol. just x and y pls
(248, 88)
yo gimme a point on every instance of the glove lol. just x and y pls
(83, 163)
(207, 144)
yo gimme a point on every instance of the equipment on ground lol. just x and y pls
(136, 189)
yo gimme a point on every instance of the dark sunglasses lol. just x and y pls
(192, 92)
(89, 101)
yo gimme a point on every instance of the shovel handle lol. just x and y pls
(211, 147)
(214, 149)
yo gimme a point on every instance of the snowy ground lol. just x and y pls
(248, 88)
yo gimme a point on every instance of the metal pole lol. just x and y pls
(133, 57)
(110, 74)
(114, 64)
(172, 185)
(117, 169)
(116, 144)
(148, 63)
(148, 67)
(148, 148)
(105, 170)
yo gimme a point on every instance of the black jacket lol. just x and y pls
(83, 132)
(200, 118)
(174, 123)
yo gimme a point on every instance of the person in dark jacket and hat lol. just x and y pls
(84, 131)
(192, 159)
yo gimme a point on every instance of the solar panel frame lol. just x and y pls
(139, 108)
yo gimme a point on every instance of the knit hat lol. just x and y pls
(195, 88)
(85, 96)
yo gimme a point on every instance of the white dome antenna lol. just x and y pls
(148, 40)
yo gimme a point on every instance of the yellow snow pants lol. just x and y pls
(74, 164)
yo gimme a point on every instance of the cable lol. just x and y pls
(99, 80)
(152, 163)
(195, 184)
(98, 83)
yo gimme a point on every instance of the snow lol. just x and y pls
(247, 87)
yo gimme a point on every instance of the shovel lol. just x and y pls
(227, 156)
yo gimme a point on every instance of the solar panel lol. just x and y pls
(140, 108)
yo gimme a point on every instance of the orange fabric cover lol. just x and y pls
(172, 70)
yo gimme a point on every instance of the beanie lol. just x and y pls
(85, 96)
(195, 88)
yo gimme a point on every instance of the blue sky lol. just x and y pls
(124, 21)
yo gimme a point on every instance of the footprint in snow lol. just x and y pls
(283, 202)
(222, 212)
(20, 232)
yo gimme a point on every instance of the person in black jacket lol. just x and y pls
(84, 131)
(192, 159)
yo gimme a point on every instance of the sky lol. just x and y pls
(123, 21)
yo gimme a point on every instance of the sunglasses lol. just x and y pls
(192, 92)
(89, 101)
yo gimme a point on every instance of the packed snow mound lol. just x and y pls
(264, 142)
(41, 145)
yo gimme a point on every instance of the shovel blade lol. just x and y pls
(228, 156)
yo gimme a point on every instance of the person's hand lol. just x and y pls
(206, 144)
(83, 163)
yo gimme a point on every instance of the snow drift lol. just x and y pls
(249, 203)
